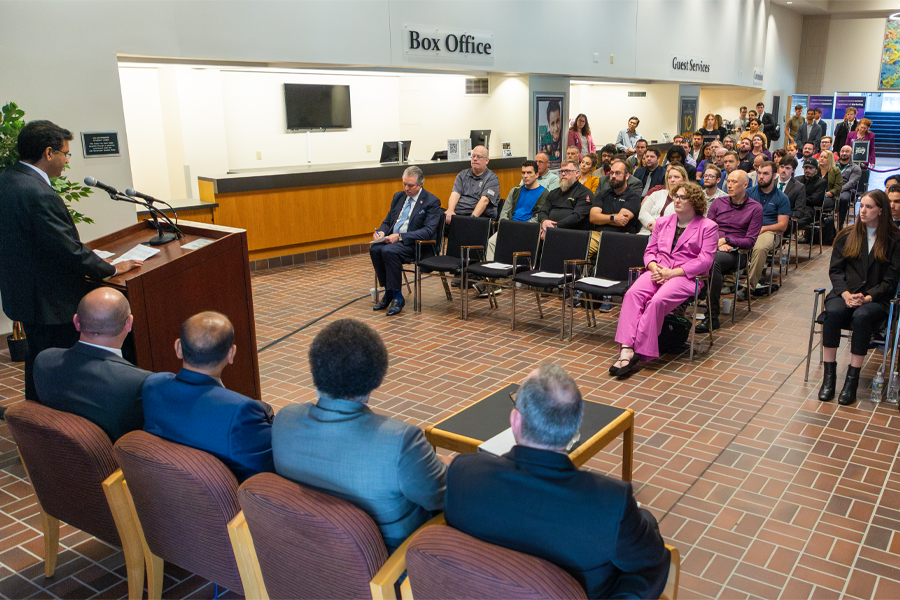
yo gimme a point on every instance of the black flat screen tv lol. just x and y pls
(310, 106)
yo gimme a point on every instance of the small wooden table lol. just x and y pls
(470, 427)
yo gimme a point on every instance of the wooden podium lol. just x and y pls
(178, 283)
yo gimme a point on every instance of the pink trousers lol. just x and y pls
(644, 307)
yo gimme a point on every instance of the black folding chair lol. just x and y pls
(620, 258)
(424, 249)
(560, 245)
(517, 244)
(466, 234)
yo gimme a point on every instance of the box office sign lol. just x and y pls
(447, 45)
(100, 143)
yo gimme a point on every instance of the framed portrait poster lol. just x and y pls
(549, 111)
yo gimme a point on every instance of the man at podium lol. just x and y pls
(43, 263)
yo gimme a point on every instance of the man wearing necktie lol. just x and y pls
(414, 215)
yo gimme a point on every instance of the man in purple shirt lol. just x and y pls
(739, 224)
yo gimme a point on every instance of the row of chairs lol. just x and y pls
(267, 538)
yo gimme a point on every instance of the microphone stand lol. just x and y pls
(161, 236)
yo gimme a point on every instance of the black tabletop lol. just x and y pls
(488, 417)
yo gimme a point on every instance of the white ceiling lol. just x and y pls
(856, 8)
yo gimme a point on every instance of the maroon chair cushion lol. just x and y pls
(443, 562)
(184, 500)
(310, 544)
(67, 458)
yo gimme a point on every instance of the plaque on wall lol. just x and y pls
(100, 143)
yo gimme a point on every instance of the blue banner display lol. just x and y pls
(842, 103)
(825, 104)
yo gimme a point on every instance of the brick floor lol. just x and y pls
(767, 492)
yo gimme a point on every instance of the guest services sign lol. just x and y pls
(690, 67)
(447, 45)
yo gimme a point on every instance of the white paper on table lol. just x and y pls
(500, 444)
(139, 252)
(104, 253)
(197, 244)
(496, 265)
(548, 275)
(598, 281)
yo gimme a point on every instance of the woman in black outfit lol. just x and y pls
(864, 271)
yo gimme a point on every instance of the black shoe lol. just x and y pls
(2, 413)
(627, 368)
(829, 382)
(704, 326)
(396, 307)
(848, 394)
(385, 301)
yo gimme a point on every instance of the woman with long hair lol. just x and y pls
(712, 130)
(580, 136)
(758, 146)
(586, 175)
(862, 133)
(681, 248)
(864, 272)
(831, 174)
(661, 202)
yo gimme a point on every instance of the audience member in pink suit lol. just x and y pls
(681, 248)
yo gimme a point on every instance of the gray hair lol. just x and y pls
(417, 172)
(551, 407)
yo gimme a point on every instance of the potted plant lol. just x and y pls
(11, 123)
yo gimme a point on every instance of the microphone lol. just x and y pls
(136, 194)
(92, 182)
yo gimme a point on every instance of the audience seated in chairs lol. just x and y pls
(864, 272)
(739, 220)
(660, 203)
(339, 446)
(534, 500)
(776, 218)
(682, 247)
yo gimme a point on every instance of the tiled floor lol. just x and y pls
(767, 492)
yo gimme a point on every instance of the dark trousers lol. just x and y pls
(843, 209)
(388, 259)
(726, 262)
(865, 321)
(40, 337)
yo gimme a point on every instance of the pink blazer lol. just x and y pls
(695, 250)
(573, 140)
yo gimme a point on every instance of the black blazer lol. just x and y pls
(864, 273)
(796, 193)
(841, 132)
(768, 125)
(658, 177)
(423, 219)
(93, 383)
(538, 502)
(43, 263)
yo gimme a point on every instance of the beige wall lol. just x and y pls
(852, 59)
(608, 109)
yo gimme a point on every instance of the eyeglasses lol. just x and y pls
(476, 157)
(566, 171)
(680, 197)
(68, 154)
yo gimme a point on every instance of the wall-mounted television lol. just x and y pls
(310, 106)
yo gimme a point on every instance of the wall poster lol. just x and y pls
(548, 122)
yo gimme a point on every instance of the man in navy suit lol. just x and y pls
(194, 409)
(43, 263)
(414, 215)
(91, 379)
(338, 445)
(651, 174)
(534, 500)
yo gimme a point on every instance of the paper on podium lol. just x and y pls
(104, 253)
(197, 244)
(139, 252)
(500, 444)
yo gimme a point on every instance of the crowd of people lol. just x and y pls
(721, 184)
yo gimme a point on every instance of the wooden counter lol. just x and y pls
(302, 209)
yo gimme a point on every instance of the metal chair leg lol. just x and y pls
(812, 330)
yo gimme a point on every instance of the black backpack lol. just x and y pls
(674, 334)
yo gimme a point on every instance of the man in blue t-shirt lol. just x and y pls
(776, 215)
(523, 202)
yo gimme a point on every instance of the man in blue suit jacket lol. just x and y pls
(193, 408)
(414, 215)
(534, 499)
(652, 174)
(340, 447)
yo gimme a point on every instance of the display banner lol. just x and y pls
(842, 103)
(548, 123)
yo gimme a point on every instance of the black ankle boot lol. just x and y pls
(848, 394)
(829, 381)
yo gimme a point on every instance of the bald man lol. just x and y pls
(476, 191)
(740, 220)
(194, 409)
(91, 379)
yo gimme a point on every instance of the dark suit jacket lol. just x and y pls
(864, 273)
(658, 177)
(796, 193)
(93, 383)
(808, 133)
(841, 132)
(538, 502)
(768, 125)
(197, 411)
(42, 260)
(423, 217)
